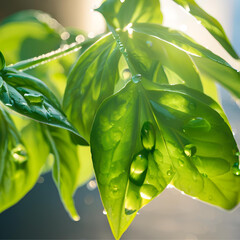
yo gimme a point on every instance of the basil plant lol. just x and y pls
(138, 102)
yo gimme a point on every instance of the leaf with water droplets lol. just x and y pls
(21, 160)
(160, 137)
(210, 23)
(91, 81)
(119, 14)
(30, 97)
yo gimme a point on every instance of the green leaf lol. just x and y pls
(156, 55)
(2, 62)
(66, 167)
(21, 160)
(32, 98)
(121, 13)
(92, 79)
(147, 134)
(160, 61)
(210, 23)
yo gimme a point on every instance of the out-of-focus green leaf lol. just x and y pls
(21, 160)
(121, 13)
(92, 79)
(147, 134)
(2, 62)
(66, 167)
(32, 98)
(209, 22)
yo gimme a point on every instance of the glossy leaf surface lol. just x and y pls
(121, 13)
(21, 160)
(145, 135)
(31, 97)
(209, 22)
(91, 80)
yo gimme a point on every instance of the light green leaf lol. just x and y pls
(160, 61)
(32, 98)
(147, 134)
(66, 167)
(156, 55)
(121, 13)
(210, 23)
(21, 160)
(91, 80)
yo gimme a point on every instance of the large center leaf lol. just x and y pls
(146, 135)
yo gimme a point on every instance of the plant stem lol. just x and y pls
(122, 49)
(45, 58)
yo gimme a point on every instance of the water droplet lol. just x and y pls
(192, 106)
(122, 1)
(137, 78)
(169, 172)
(92, 185)
(19, 154)
(115, 186)
(65, 36)
(236, 169)
(190, 150)
(132, 202)
(104, 212)
(148, 136)
(148, 191)
(138, 169)
(2, 61)
(181, 163)
(149, 43)
(126, 74)
(34, 98)
(197, 125)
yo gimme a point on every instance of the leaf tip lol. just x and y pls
(2, 61)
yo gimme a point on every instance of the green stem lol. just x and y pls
(45, 58)
(122, 49)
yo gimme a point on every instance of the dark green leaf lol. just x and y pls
(147, 134)
(2, 62)
(32, 98)
(210, 23)
(21, 160)
(121, 13)
(92, 80)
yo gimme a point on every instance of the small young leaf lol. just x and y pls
(32, 98)
(147, 134)
(210, 23)
(121, 13)
(21, 160)
(91, 81)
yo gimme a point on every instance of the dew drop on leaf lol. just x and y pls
(199, 125)
(148, 136)
(149, 43)
(19, 154)
(236, 169)
(190, 150)
(132, 202)
(137, 78)
(126, 74)
(34, 98)
(169, 172)
(181, 163)
(148, 191)
(104, 212)
(138, 167)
